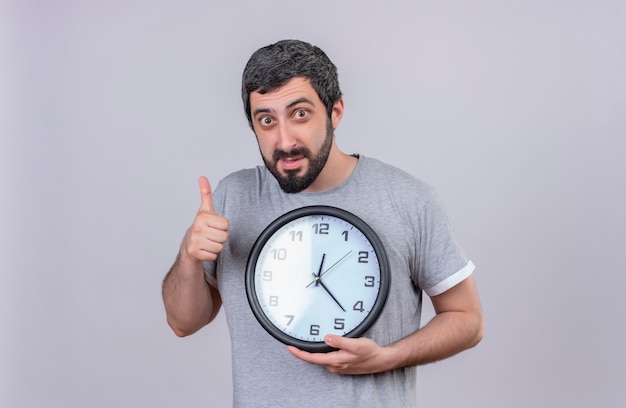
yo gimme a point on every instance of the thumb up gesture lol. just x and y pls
(205, 238)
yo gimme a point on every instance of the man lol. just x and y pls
(293, 103)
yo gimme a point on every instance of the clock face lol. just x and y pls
(315, 271)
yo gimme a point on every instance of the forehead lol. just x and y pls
(280, 98)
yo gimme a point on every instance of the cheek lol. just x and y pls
(261, 139)
(266, 147)
(263, 147)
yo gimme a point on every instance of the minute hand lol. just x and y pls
(331, 295)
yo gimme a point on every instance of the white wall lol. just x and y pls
(110, 110)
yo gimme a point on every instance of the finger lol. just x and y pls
(334, 341)
(206, 195)
(311, 358)
(345, 344)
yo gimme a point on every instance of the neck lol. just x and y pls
(336, 171)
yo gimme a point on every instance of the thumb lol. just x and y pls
(333, 341)
(348, 344)
(206, 195)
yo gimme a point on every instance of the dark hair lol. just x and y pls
(272, 66)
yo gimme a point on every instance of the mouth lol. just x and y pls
(291, 163)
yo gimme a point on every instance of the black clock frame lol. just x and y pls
(273, 227)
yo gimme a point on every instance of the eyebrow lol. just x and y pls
(299, 101)
(289, 106)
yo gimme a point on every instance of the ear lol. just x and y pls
(337, 113)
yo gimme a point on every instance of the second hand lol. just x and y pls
(320, 273)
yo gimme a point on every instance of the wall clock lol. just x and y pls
(314, 271)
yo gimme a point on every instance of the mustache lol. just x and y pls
(297, 152)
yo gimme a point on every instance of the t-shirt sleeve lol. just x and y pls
(441, 262)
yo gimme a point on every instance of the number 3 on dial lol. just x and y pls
(317, 270)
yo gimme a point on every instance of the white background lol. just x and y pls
(109, 111)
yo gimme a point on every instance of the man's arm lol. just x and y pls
(457, 326)
(190, 302)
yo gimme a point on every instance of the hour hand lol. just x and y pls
(320, 273)
(336, 263)
(317, 275)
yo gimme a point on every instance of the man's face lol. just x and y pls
(294, 133)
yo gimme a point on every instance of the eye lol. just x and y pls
(300, 113)
(266, 121)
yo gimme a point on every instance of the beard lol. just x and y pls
(290, 182)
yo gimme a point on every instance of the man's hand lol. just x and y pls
(205, 238)
(354, 356)
(457, 325)
(190, 302)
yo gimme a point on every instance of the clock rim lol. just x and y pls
(278, 223)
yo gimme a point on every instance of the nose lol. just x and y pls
(286, 137)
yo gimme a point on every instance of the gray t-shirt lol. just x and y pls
(423, 255)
